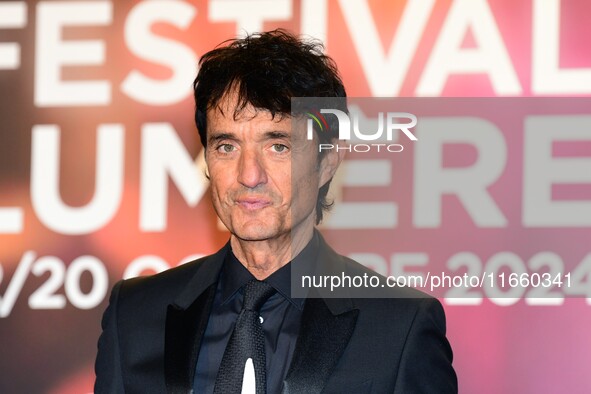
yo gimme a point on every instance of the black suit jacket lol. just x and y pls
(153, 327)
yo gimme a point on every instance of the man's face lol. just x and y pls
(252, 178)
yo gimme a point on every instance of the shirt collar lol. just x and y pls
(235, 275)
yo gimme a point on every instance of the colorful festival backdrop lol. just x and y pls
(101, 173)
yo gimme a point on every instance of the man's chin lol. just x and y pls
(254, 234)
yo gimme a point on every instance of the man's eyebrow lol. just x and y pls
(276, 134)
(220, 136)
(269, 135)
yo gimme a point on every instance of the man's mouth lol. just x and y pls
(252, 203)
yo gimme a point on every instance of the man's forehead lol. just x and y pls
(232, 107)
(231, 113)
(229, 106)
(235, 112)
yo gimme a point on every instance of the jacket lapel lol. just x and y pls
(186, 321)
(322, 340)
(326, 328)
(184, 330)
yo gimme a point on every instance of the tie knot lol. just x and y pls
(256, 293)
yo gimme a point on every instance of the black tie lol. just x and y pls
(247, 341)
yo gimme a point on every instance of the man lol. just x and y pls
(228, 321)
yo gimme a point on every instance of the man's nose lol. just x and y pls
(251, 169)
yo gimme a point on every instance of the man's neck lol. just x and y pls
(262, 258)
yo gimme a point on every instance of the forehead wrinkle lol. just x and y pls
(231, 103)
(276, 134)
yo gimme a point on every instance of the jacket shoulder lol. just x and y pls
(179, 285)
(164, 285)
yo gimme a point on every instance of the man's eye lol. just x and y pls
(226, 148)
(279, 148)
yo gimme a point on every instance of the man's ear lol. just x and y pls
(330, 162)
(202, 164)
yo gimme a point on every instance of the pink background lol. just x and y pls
(519, 348)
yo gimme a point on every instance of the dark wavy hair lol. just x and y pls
(267, 70)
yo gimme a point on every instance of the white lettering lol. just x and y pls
(314, 19)
(52, 53)
(13, 15)
(541, 171)
(142, 42)
(164, 156)
(547, 77)
(469, 184)
(490, 57)
(249, 15)
(45, 195)
(386, 72)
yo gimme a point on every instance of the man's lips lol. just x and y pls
(252, 203)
